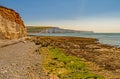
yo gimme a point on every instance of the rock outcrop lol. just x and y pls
(11, 24)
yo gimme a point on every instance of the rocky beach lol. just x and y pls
(16, 60)
(101, 59)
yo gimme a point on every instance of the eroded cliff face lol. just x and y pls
(11, 24)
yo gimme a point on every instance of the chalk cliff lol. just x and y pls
(11, 24)
(60, 30)
(47, 29)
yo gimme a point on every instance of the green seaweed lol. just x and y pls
(68, 66)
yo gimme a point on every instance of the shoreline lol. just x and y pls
(85, 35)
(101, 59)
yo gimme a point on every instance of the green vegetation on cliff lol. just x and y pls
(36, 29)
(50, 29)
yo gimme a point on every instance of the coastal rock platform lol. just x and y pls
(101, 59)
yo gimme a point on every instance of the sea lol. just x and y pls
(112, 39)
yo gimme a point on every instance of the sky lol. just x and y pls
(91, 15)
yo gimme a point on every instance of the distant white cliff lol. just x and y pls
(59, 30)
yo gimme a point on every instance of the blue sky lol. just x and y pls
(96, 15)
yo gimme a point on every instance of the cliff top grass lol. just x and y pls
(37, 28)
(56, 62)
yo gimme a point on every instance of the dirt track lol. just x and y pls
(18, 61)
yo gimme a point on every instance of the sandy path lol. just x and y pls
(18, 61)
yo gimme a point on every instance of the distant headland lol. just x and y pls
(48, 29)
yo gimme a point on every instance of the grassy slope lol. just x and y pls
(65, 66)
(35, 29)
